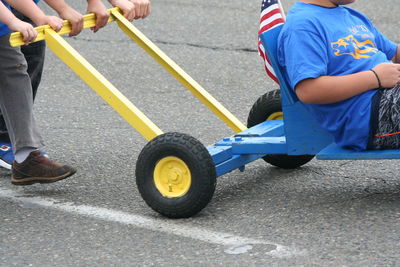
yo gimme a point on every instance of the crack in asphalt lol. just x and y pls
(215, 48)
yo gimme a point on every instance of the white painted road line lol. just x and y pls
(232, 244)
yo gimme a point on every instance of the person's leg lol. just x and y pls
(16, 103)
(4, 137)
(34, 54)
(16, 100)
(387, 135)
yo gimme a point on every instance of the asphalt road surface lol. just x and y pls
(327, 213)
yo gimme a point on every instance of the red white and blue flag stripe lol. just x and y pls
(271, 16)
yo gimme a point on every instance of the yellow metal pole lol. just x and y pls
(152, 50)
(177, 72)
(101, 85)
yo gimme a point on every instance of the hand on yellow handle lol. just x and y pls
(27, 32)
(16, 38)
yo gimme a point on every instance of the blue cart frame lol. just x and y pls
(297, 134)
(176, 174)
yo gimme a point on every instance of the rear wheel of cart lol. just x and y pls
(269, 107)
(175, 175)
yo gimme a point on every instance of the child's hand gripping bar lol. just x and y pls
(89, 22)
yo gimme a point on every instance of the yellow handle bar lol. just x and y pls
(107, 91)
(89, 22)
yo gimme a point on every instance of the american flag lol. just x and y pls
(271, 17)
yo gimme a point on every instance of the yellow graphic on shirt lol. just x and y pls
(351, 46)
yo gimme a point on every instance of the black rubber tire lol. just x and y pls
(199, 162)
(266, 105)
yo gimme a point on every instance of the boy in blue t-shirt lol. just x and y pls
(345, 71)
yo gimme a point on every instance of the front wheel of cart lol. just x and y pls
(175, 175)
(269, 107)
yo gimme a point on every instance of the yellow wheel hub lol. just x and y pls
(275, 116)
(172, 177)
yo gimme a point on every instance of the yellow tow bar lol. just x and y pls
(107, 91)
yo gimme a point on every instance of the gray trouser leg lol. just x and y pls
(16, 100)
(34, 54)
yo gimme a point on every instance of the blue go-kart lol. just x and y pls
(281, 132)
(175, 173)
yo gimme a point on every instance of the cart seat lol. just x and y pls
(334, 151)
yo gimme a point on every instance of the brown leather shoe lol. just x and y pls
(39, 169)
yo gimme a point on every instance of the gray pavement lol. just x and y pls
(327, 213)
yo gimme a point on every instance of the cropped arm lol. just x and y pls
(28, 8)
(331, 89)
(57, 5)
(5, 14)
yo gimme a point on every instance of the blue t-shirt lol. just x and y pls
(319, 41)
(3, 27)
